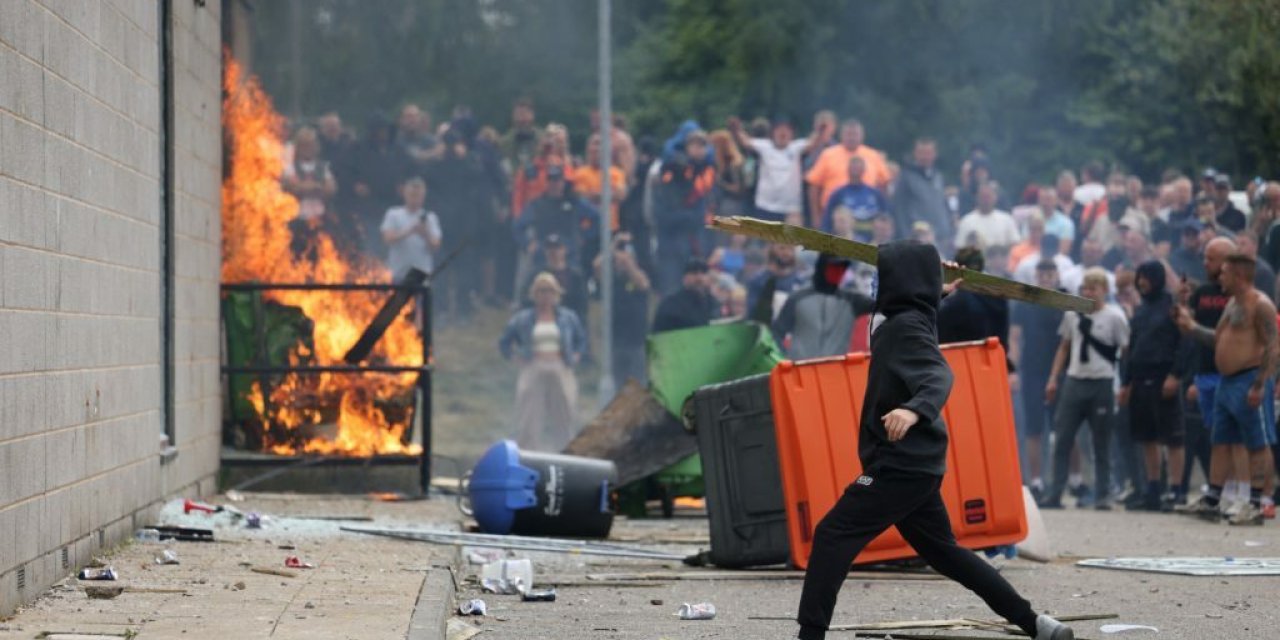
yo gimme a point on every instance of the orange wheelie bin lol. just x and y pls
(817, 406)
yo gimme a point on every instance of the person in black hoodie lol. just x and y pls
(902, 444)
(1149, 380)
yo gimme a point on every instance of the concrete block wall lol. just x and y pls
(81, 379)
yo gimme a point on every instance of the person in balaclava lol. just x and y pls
(1149, 383)
(820, 318)
(902, 444)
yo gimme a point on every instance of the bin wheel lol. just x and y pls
(689, 415)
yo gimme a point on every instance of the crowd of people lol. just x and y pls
(1174, 367)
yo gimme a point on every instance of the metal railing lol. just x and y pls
(415, 287)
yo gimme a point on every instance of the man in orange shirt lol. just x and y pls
(588, 185)
(831, 171)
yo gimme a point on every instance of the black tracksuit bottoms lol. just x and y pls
(914, 504)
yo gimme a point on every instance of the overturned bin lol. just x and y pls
(542, 494)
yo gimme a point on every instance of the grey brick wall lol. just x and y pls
(80, 274)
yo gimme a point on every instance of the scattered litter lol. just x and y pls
(308, 606)
(274, 572)
(657, 602)
(1122, 628)
(167, 557)
(239, 586)
(1202, 566)
(287, 547)
(293, 562)
(149, 536)
(1254, 543)
(700, 611)
(253, 520)
(189, 505)
(235, 496)
(546, 595)
(508, 576)
(475, 607)
(483, 556)
(105, 573)
(103, 592)
(389, 496)
(462, 630)
(185, 534)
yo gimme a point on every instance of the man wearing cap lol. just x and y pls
(558, 211)
(692, 305)
(1186, 259)
(1226, 213)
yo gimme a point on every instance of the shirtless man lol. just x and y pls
(1245, 353)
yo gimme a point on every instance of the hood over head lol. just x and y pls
(910, 278)
(1154, 272)
(828, 272)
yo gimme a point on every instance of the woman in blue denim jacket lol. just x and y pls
(548, 341)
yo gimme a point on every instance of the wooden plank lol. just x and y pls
(975, 281)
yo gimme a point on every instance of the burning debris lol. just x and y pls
(327, 412)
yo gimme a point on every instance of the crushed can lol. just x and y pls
(700, 611)
(105, 573)
(474, 607)
(167, 557)
(546, 595)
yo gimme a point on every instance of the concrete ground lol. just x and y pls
(373, 588)
(1221, 608)
(363, 587)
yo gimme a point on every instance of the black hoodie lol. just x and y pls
(907, 367)
(1154, 339)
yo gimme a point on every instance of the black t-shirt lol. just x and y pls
(630, 311)
(1208, 302)
(1232, 218)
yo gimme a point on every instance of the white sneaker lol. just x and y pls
(1049, 629)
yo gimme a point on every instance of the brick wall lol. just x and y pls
(80, 275)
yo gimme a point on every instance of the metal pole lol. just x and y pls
(607, 384)
(424, 386)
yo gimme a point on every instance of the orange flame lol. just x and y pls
(256, 246)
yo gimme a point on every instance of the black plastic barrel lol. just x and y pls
(542, 494)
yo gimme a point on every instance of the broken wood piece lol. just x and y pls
(151, 590)
(975, 281)
(275, 572)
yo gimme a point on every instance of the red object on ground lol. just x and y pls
(293, 562)
(191, 505)
(817, 407)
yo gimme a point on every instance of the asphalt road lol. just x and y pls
(1218, 608)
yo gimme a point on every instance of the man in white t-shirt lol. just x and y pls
(780, 181)
(1090, 353)
(411, 232)
(987, 226)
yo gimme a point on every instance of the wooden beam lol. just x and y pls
(974, 281)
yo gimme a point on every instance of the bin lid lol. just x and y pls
(500, 486)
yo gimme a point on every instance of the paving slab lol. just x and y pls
(362, 587)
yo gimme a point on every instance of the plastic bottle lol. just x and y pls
(146, 535)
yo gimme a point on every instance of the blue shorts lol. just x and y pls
(1206, 385)
(1234, 421)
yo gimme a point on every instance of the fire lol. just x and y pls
(373, 411)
